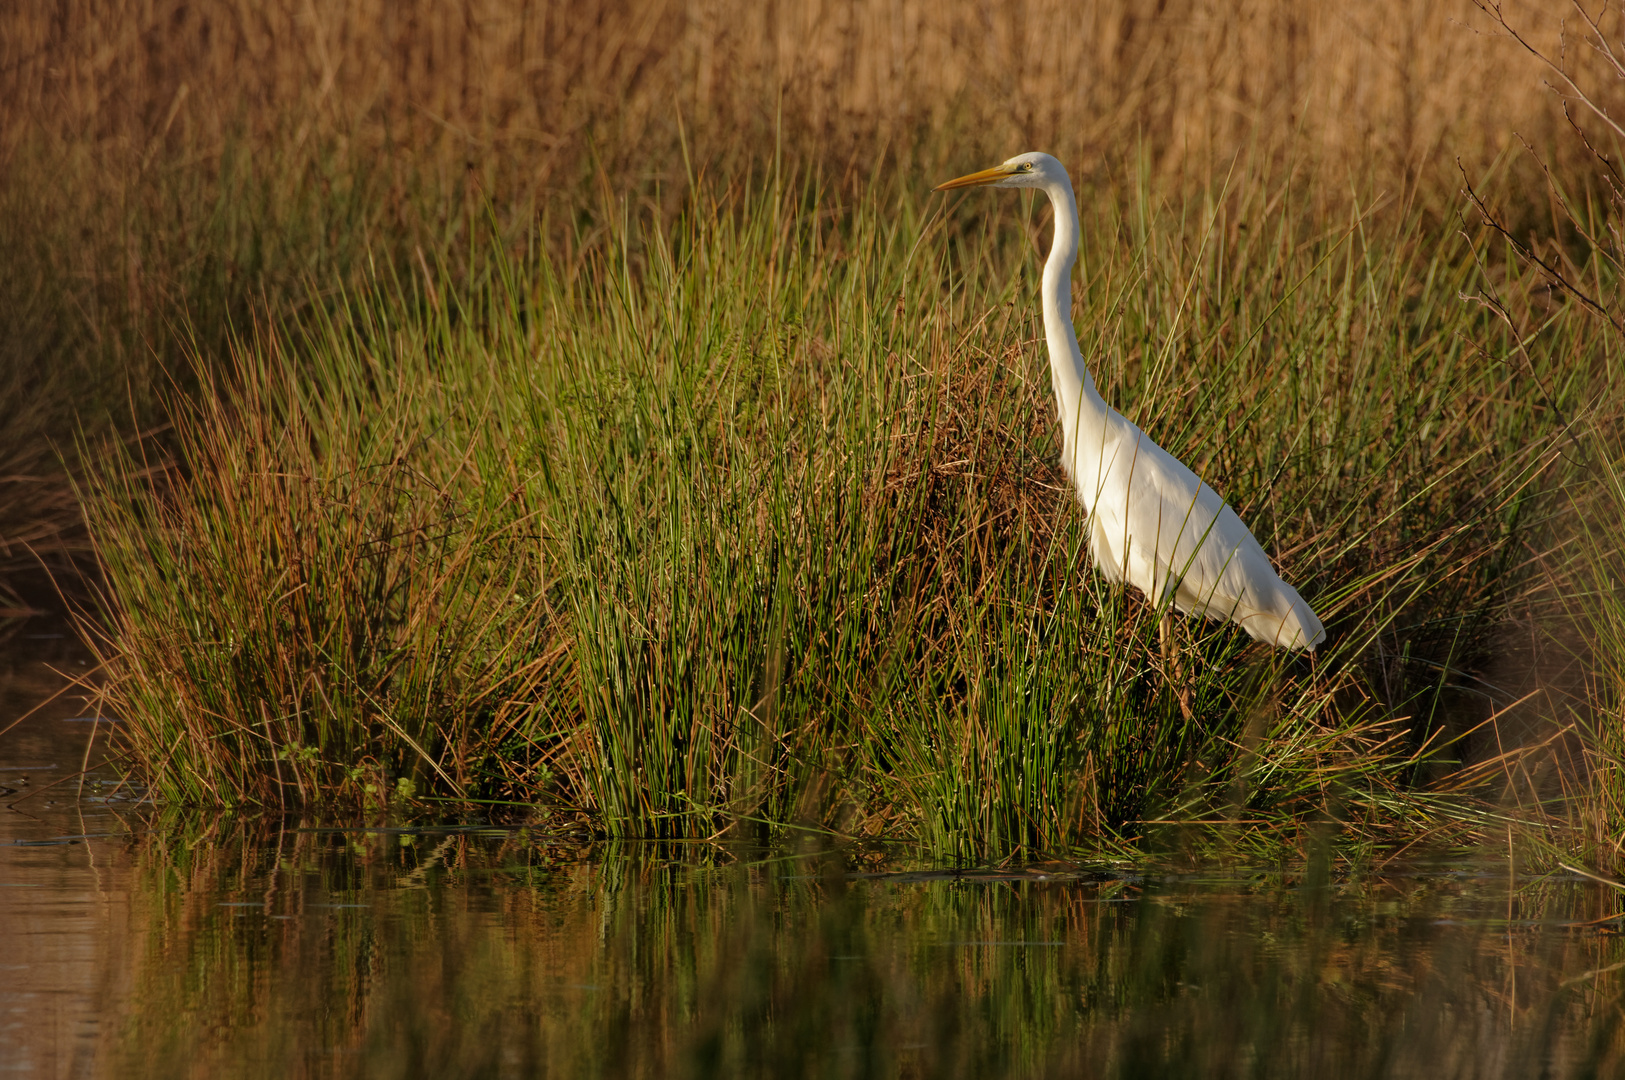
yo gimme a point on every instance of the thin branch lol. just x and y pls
(1607, 163)
(1493, 10)
(1528, 255)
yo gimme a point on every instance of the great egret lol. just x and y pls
(1152, 522)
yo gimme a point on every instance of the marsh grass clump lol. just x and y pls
(323, 594)
(1593, 614)
(753, 521)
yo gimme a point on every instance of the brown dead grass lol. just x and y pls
(545, 94)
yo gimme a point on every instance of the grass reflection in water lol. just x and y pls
(472, 953)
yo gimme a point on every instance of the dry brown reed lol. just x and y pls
(540, 93)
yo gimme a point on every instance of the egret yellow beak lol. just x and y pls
(976, 179)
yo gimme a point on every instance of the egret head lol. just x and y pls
(1034, 170)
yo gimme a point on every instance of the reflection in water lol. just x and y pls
(63, 869)
(285, 949)
(475, 953)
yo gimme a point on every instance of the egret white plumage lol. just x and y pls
(1152, 522)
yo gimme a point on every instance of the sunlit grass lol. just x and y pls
(752, 520)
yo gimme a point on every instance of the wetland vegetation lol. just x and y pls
(588, 415)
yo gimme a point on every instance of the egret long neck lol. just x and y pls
(1082, 410)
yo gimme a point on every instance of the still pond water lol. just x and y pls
(131, 947)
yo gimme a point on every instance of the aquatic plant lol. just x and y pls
(169, 167)
(756, 519)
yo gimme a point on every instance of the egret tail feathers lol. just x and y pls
(1283, 620)
(1292, 625)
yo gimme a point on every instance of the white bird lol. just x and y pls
(1152, 522)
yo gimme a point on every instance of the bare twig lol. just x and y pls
(1554, 275)
(1559, 67)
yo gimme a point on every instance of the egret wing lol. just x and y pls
(1195, 544)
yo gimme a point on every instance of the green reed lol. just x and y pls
(752, 520)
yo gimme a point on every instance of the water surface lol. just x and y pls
(138, 944)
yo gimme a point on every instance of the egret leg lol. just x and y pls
(1174, 665)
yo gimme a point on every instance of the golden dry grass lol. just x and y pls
(538, 92)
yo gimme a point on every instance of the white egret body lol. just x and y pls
(1152, 522)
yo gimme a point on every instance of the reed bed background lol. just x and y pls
(166, 166)
(586, 403)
